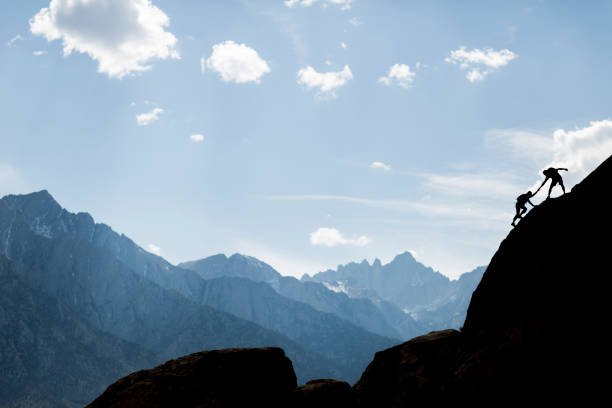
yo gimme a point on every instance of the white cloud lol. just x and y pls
(400, 74)
(326, 82)
(39, 53)
(580, 150)
(147, 118)
(123, 36)
(197, 138)
(11, 43)
(380, 165)
(237, 63)
(154, 249)
(343, 4)
(343, 45)
(331, 237)
(480, 63)
(521, 143)
(355, 22)
(202, 65)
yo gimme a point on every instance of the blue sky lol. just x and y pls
(305, 133)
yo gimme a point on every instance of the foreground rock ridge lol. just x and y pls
(532, 331)
(532, 335)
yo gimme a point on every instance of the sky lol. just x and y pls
(306, 133)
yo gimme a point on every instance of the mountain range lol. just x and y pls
(86, 298)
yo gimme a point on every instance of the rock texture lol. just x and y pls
(323, 393)
(220, 378)
(410, 372)
(534, 328)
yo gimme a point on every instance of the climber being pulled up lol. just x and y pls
(521, 207)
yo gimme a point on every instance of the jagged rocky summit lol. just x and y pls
(535, 328)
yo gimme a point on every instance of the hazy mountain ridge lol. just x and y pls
(359, 311)
(323, 332)
(405, 286)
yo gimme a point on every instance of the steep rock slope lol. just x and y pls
(532, 334)
(49, 357)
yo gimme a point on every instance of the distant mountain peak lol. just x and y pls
(405, 256)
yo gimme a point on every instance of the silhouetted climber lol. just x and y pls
(552, 174)
(521, 208)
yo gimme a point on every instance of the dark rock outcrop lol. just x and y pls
(261, 377)
(323, 393)
(409, 372)
(533, 332)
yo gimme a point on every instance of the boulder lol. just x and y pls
(218, 378)
(409, 372)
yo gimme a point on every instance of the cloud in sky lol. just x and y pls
(355, 22)
(197, 138)
(399, 74)
(342, 4)
(325, 82)
(480, 63)
(580, 150)
(380, 165)
(39, 53)
(154, 249)
(147, 118)
(123, 36)
(331, 237)
(237, 63)
(11, 43)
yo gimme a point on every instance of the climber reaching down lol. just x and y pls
(552, 174)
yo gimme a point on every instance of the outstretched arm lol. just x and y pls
(541, 185)
(562, 168)
(529, 201)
